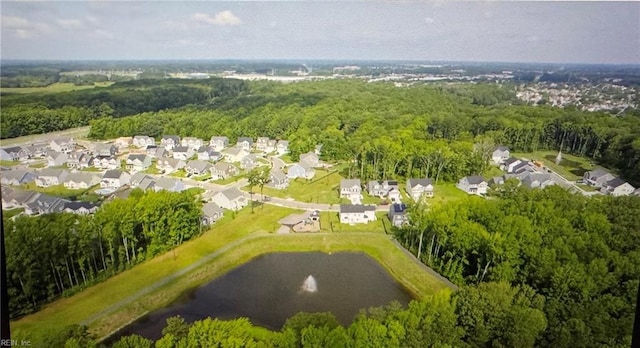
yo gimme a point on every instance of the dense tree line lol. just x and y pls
(33, 114)
(56, 254)
(582, 255)
(387, 131)
(491, 314)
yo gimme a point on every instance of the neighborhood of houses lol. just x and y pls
(113, 168)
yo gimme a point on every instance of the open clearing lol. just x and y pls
(53, 88)
(113, 297)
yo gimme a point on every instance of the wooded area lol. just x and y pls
(59, 254)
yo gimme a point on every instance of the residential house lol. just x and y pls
(85, 161)
(182, 152)
(123, 142)
(418, 188)
(271, 146)
(231, 199)
(158, 152)
(278, 180)
(80, 180)
(51, 177)
(170, 141)
(64, 145)
(136, 178)
(197, 167)
(17, 198)
(248, 162)
(537, 180)
(500, 154)
(311, 159)
(45, 204)
(597, 177)
(617, 187)
(523, 167)
(474, 185)
(81, 208)
(169, 184)
(398, 214)
(219, 143)
(114, 179)
(207, 153)
(138, 162)
(282, 147)
(143, 141)
(245, 143)
(261, 143)
(211, 213)
(235, 154)
(394, 195)
(38, 149)
(357, 214)
(73, 159)
(55, 158)
(106, 163)
(16, 177)
(509, 164)
(170, 165)
(105, 150)
(223, 170)
(301, 170)
(381, 188)
(351, 189)
(192, 143)
(496, 181)
(10, 153)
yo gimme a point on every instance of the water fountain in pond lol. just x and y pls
(309, 284)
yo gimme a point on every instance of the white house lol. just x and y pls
(248, 162)
(245, 143)
(301, 170)
(223, 170)
(397, 214)
(474, 185)
(235, 154)
(168, 184)
(351, 189)
(192, 143)
(138, 162)
(261, 144)
(537, 180)
(597, 177)
(142, 141)
(170, 141)
(207, 153)
(80, 180)
(104, 150)
(55, 158)
(357, 214)
(211, 213)
(16, 177)
(197, 167)
(278, 180)
(311, 159)
(617, 187)
(50, 177)
(500, 154)
(231, 199)
(183, 152)
(65, 145)
(169, 165)
(106, 163)
(381, 188)
(417, 188)
(114, 179)
(219, 143)
(282, 147)
(81, 208)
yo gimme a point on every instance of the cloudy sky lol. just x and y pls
(507, 31)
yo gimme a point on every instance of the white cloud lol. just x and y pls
(429, 20)
(70, 24)
(220, 18)
(22, 28)
(104, 34)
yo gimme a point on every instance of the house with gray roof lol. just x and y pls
(143, 141)
(192, 143)
(17, 177)
(223, 170)
(196, 167)
(311, 159)
(17, 198)
(381, 188)
(81, 180)
(211, 213)
(138, 162)
(114, 179)
(245, 143)
(81, 208)
(45, 204)
(169, 184)
(278, 180)
(231, 199)
(473, 185)
(351, 189)
(418, 188)
(14, 153)
(597, 177)
(207, 153)
(301, 170)
(248, 162)
(106, 163)
(219, 143)
(170, 141)
(51, 177)
(55, 158)
(398, 214)
(357, 213)
(235, 154)
(170, 165)
(617, 187)
(282, 147)
(500, 154)
(183, 152)
(104, 150)
(537, 180)
(62, 144)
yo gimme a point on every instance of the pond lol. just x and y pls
(274, 287)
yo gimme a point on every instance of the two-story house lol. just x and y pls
(170, 141)
(219, 143)
(143, 141)
(192, 143)
(597, 177)
(474, 185)
(245, 143)
(357, 214)
(617, 187)
(222, 170)
(114, 179)
(138, 162)
(351, 189)
(418, 188)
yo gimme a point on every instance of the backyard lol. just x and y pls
(571, 167)
(323, 188)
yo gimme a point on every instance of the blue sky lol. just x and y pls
(559, 32)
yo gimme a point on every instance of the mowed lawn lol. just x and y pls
(82, 305)
(323, 188)
(571, 167)
(330, 222)
(447, 192)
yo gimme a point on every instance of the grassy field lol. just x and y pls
(60, 191)
(323, 188)
(53, 88)
(9, 163)
(493, 171)
(444, 193)
(230, 180)
(12, 212)
(257, 228)
(571, 168)
(80, 132)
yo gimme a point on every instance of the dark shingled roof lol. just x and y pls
(353, 208)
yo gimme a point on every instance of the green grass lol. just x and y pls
(571, 168)
(323, 188)
(152, 170)
(63, 192)
(330, 222)
(180, 173)
(91, 169)
(201, 177)
(9, 163)
(53, 88)
(38, 165)
(446, 192)
(230, 180)
(493, 172)
(77, 133)
(286, 158)
(11, 212)
(587, 188)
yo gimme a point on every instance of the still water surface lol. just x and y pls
(273, 287)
